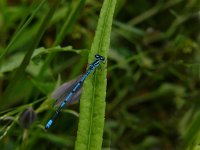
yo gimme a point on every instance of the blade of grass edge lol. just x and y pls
(19, 32)
(71, 18)
(92, 103)
(191, 134)
(20, 72)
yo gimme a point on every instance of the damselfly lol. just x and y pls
(76, 87)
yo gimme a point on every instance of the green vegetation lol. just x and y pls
(150, 99)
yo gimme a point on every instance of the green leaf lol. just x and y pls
(192, 134)
(12, 63)
(71, 17)
(20, 31)
(70, 20)
(92, 103)
(18, 76)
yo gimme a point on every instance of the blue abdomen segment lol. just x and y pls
(62, 104)
(49, 123)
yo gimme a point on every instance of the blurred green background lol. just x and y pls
(153, 72)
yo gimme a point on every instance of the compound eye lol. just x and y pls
(102, 58)
(97, 56)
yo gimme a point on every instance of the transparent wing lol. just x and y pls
(61, 92)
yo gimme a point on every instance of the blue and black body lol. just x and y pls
(92, 66)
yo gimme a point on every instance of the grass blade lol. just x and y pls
(18, 33)
(17, 79)
(71, 18)
(92, 103)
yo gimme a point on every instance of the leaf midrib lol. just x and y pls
(94, 89)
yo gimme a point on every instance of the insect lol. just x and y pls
(78, 85)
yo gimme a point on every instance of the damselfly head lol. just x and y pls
(99, 57)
